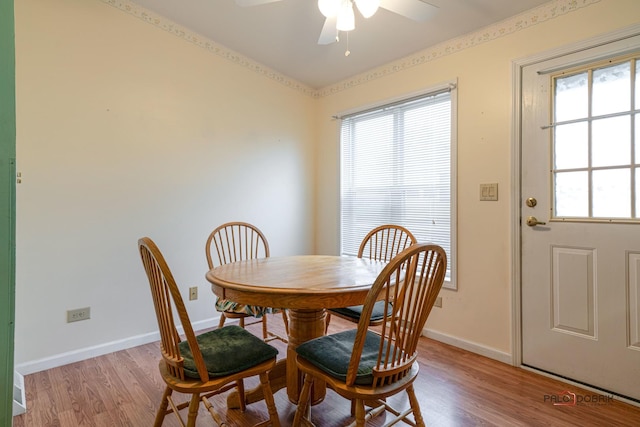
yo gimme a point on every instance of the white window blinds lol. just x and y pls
(397, 169)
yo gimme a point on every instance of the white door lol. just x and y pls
(580, 209)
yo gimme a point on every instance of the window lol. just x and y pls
(398, 167)
(596, 142)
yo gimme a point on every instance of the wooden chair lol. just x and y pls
(237, 241)
(364, 365)
(381, 244)
(206, 364)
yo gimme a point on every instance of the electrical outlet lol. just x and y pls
(78, 314)
(438, 302)
(193, 293)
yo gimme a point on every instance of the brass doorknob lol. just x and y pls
(533, 221)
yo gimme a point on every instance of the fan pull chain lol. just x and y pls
(347, 52)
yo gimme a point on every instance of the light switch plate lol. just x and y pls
(489, 192)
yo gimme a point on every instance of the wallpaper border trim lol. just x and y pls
(511, 25)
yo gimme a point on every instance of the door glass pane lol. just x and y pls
(611, 141)
(572, 146)
(611, 89)
(572, 97)
(611, 193)
(572, 195)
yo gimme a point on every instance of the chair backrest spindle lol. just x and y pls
(236, 241)
(384, 242)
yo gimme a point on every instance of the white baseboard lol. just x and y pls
(101, 349)
(123, 344)
(473, 347)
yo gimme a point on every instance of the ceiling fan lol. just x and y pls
(340, 16)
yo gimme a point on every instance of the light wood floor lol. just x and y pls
(455, 388)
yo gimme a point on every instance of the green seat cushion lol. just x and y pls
(354, 312)
(332, 353)
(226, 351)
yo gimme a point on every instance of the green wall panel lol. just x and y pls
(7, 207)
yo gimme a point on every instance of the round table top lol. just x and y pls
(296, 282)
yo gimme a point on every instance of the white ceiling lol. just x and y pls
(283, 35)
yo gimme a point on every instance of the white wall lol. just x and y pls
(478, 315)
(125, 130)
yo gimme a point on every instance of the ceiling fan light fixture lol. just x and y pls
(368, 8)
(346, 18)
(329, 8)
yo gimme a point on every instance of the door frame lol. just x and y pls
(516, 169)
(7, 207)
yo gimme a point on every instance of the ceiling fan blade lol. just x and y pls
(329, 32)
(247, 3)
(416, 10)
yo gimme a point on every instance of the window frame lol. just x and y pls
(450, 86)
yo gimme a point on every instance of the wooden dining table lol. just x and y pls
(305, 285)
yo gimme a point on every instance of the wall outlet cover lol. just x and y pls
(78, 314)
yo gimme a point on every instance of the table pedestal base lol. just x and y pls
(304, 325)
